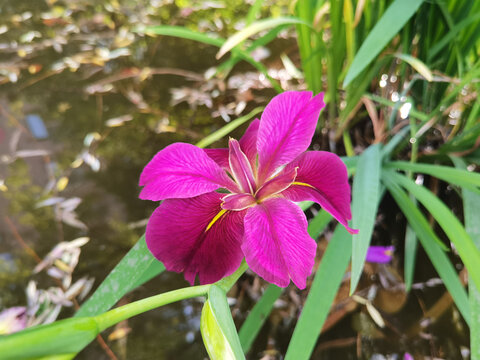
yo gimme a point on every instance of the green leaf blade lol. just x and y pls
(461, 177)
(471, 209)
(455, 231)
(392, 21)
(63, 337)
(365, 199)
(135, 268)
(430, 243)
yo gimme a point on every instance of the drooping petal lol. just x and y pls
(240, 166)
(238, 201)
(220, 156)
(277, 184)
(196, 236)
(322, 177)
(248, 142)
(286, 129)
(182, 171)
(380, 254)
(277, 246)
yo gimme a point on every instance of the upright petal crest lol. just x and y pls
(197, 237)
(182, 171)
(248, 144)
(286, 129)
(322, 177)
(240, 167)
(277, 246)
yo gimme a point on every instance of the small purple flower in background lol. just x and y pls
(13, 319)
(197, 230)
(408, 356)
(380, 254)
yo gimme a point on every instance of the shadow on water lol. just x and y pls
(105, 95)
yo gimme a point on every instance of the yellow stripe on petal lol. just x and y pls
(214, 220)
(302, 184)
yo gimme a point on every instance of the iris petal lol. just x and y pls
(182, 171)
(286, 129)
(277, 246)
(177, 235)
(322, 177)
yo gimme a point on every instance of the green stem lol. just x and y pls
(116, 315)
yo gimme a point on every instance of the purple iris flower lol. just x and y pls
(197, 230)
(13, 319)
(380, 254)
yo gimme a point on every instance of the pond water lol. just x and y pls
(110, 99)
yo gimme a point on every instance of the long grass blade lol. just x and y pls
(430, 242)
(455, 231)
(365, 199)
(471, 210)
(417, 64)
(464, 178)
(392, 21)
(410, 254)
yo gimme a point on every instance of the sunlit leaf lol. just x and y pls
(417, 64)
(218, 330)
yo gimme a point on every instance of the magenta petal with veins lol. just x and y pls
(205, 233)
